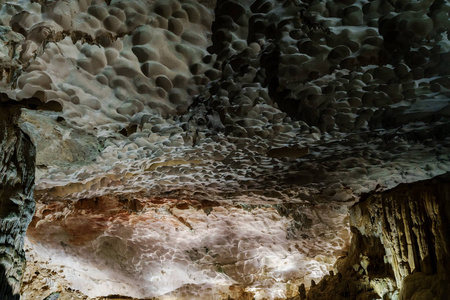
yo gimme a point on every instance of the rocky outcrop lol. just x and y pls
(400, 246)
(17, 164)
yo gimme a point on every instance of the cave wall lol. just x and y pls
(282, 112)
(17, 165)
(400, 246)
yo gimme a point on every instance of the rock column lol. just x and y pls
(17, 165)
(400, 246)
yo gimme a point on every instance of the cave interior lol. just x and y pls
(224, 149)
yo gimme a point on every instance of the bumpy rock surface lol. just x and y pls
(320, 93)
(400, 246)
(175, 248)
(17, 163)
(291, 109)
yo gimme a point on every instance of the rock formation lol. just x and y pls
(199, 149)
(400, 246)
(17, 163)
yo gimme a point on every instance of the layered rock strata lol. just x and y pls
(17, 165)
(400, 246)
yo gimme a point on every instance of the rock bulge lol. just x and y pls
(334, 66)
(112, 56)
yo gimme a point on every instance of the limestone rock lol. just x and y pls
(399, 248)
(281, 112)
(16, 200)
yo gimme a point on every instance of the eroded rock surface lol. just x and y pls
(176, 248)
(399, 248)
(316, 92)
(292, 108)
(17, 163)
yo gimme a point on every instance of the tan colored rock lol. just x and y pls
(399, 246)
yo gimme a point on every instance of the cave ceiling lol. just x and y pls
(190, 148)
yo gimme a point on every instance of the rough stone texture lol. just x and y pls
(17, 164)
(295, 106)
(316, 92)
(400, 246)
(183, 249)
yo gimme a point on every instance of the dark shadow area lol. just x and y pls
(6, 291)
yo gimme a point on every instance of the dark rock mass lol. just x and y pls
(17, 163)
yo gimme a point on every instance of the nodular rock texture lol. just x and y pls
(281, 112)
(400, 246)
(17, 165)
